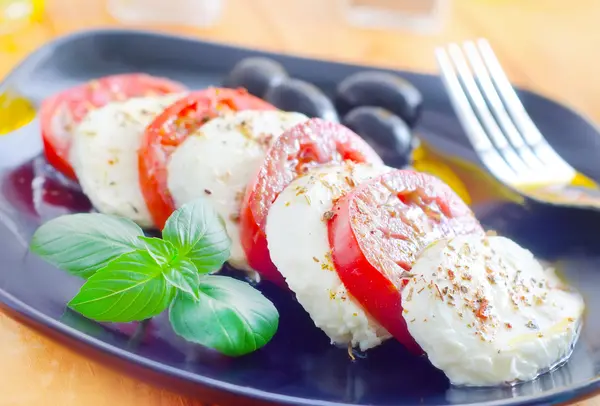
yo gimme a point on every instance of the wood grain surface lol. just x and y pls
(550, 46)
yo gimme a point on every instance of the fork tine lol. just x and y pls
(475, 133)
(485, 82)
(484, 113)
(523, 122)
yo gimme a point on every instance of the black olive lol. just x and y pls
(302, 97)
(380, 89)
(387, 133)
(256, 74)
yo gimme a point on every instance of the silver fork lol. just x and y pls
(501, 132)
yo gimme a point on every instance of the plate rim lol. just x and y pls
(580, 391)
(10, 302)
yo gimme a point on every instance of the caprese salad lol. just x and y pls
(370, 251)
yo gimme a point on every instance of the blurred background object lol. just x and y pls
(15, 14)
(423, 16)
(16, 17)
(195, 13)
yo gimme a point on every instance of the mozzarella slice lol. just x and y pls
(219, 160)
(486, 312)
(104, 155)
(298, 243)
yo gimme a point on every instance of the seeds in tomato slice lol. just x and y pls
(302, 147)
(168, 131)
(378, 230)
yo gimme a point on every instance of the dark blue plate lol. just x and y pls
(299, 366)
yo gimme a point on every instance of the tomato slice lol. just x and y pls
(377, 231)
(59, 114)
(170, 128)
(306, 145)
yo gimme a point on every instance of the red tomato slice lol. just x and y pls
(170, 128)
(60, 113)
(306, 145)
(379, 228)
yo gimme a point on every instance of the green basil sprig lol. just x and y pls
(131, 277)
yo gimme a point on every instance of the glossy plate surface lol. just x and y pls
(298, 366)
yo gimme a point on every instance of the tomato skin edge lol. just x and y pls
(254, 243)
(51, 148)
(362, 279)
(152, 172)
(56, 160)
(159, 205)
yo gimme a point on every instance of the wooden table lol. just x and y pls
(550, 46)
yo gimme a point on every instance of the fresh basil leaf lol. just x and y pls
(82, 243)
(231, 316)
(179, 272)
(162, 251)
(183, 275)
(129, 288)
(200, 235)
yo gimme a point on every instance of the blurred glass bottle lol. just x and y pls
(422, 16)
(16, 17)
(16, 14)
(194, 13)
